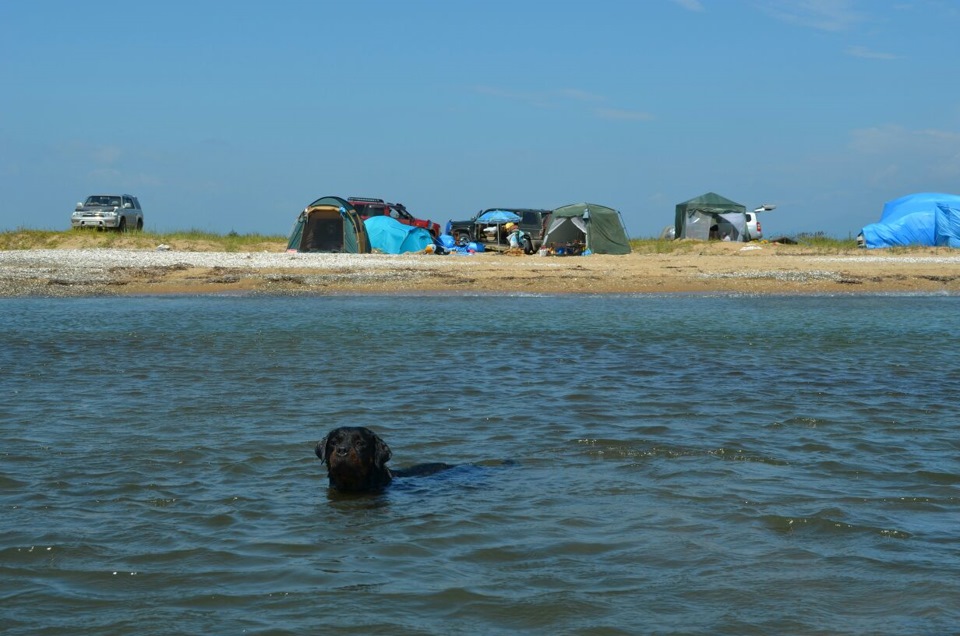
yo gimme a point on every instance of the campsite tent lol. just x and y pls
(329, 224)
(599, 228)
(390, 236)
(711, 216)
(926, 218)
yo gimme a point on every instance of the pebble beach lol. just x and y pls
(703, 268)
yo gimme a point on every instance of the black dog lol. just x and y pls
(357, 459)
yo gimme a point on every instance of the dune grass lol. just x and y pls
(805, 244)
(203, 241)
(230, 242)
(193, 240)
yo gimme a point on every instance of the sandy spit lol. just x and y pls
(721, 268)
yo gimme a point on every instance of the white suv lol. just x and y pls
(754, 231)
(119, 212)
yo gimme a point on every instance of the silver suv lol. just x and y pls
(119, 212)
(754, 229)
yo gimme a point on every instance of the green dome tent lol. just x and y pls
(329, 224)
(598, 227)
(711, 216)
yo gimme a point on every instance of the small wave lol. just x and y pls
(612, 449)
(827, 526)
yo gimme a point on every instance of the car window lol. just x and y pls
(531, 218)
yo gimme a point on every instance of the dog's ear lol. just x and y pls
(321, 450)
(381, 451)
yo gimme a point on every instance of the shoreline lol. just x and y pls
(705, 268)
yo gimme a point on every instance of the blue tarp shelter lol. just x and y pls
(926, 218)
(390, 236)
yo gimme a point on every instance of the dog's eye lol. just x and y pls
(360, 443)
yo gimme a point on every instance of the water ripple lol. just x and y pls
(730, 464)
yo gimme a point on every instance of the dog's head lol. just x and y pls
(356, 459)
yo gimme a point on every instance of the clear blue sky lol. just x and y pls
(233, 115)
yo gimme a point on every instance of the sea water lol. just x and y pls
(624, 464)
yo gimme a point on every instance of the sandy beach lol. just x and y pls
(698, 268)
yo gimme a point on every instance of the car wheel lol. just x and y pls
(462, 238)
(139, 224)
(123, 225)
(527, 245)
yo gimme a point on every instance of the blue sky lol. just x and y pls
(233, 115)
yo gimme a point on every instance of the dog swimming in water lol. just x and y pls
(356, 460)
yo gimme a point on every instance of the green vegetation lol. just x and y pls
(30, 239)
(201, 241)
(805, 244)
(191, 240)
(826, 244)
(663, 246)
(230, 242)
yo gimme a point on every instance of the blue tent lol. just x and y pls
(926, 218)
(390, 236)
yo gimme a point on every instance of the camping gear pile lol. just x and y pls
(332, 224)
(493, 224)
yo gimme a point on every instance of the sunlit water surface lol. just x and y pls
(625, 464)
